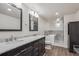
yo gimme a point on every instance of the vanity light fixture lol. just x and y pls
(36, 15)
(33, 13)
(9, 9)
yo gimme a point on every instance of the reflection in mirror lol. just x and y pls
(10, 17)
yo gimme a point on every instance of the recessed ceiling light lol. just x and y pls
(9, 9)
(57, 13)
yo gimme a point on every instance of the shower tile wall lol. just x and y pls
(58, 31)
(59, 35)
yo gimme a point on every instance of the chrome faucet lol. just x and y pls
(10, 39)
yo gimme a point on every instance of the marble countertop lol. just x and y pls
(6, 46)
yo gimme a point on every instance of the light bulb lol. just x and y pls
(32, 13)
(57, 13)
(36, 15)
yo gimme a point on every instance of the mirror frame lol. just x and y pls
(30, 24)
(13, 5)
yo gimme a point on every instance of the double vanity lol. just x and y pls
(27, 46)
(11, 20)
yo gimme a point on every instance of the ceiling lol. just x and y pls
(48, 10)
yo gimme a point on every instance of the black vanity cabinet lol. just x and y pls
(41, 47)
(35, 48)
(26, 51)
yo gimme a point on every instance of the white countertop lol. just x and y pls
(6, 46)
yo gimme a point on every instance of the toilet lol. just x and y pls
(49, 41)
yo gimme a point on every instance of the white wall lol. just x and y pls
(69, 18)
(42, 25)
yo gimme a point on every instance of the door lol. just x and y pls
(73, 32)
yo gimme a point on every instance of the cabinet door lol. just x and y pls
(36, 49)
(26, 52)
(42, 46)
(11, 52)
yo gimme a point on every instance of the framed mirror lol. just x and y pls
(33, 23)
(10, 17)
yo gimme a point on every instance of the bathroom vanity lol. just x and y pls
(32, 46)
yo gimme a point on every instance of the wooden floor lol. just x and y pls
(59, 51)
